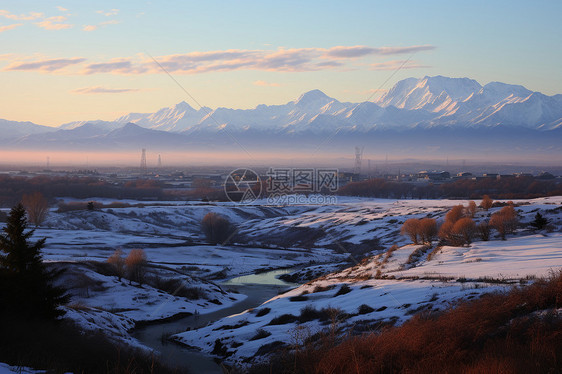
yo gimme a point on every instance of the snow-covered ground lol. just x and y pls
(386, 288)
(320, 242)
(7, 369)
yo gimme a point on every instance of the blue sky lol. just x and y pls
(74, 60)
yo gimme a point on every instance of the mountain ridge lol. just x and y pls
(433, 109)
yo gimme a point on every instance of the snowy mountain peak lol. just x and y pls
(184, 107)
(456, 88)
(313, 97)
(429, 93)
(499, 90)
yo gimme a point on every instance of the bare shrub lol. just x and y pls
(463, 232)
(260, 334)
(486, 203)
(136, 264)
(36, 207)
(118, 262)
(427, 230)
(71, 206)
(411, 228)
(343, 290)
(389, 253)
(456, 213)
(217, 228)
(505, 221)
(445, 230)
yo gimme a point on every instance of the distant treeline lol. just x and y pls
(12, 188)
(505, 188)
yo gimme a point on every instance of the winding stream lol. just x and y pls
(258, 288)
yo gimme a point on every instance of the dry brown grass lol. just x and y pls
(515, 332)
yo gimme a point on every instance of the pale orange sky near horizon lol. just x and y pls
(76, 61)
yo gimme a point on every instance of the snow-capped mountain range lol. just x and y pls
(431, 103)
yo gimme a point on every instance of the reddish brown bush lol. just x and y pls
(486, 203)
(217, 228)
(136, 263)
(411, 228)
(445, 230)
(427, 230)
(463, 231)
(456, 213)
(505, 221)
(118, 263)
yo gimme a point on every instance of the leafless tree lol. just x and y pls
(486, 203)
(136, 263)
(427, 230)
(217, 228)
(505, 221)
(411, 228)
(456, 213)
(36, 207)
(118, 262)
(463, 231)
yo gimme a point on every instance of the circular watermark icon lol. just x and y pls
(243, 186)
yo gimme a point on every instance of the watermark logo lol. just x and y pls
(301, 180)
(283, 186)
(243, 186)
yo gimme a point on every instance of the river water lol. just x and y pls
(257, 287)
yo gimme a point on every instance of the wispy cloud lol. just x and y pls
(280, 60)
(47, 23)
(54, 23)
(395, 64)
(102, 90)
(101, 24)
(45, 65)
(361, 51)
(21, 17)
(62, 9)
(10, 27)
(112, 12)
(266, 84)
(116, 66)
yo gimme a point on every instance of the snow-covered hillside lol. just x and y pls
(357, 272)
(391, 286)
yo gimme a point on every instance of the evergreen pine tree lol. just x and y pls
(26, 284)
(539, 222)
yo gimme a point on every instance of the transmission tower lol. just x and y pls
(159, 162)
(358, 158)
(143, 168)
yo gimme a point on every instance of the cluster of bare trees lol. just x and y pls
(132, 267)
(420, 231)
(459, 227)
